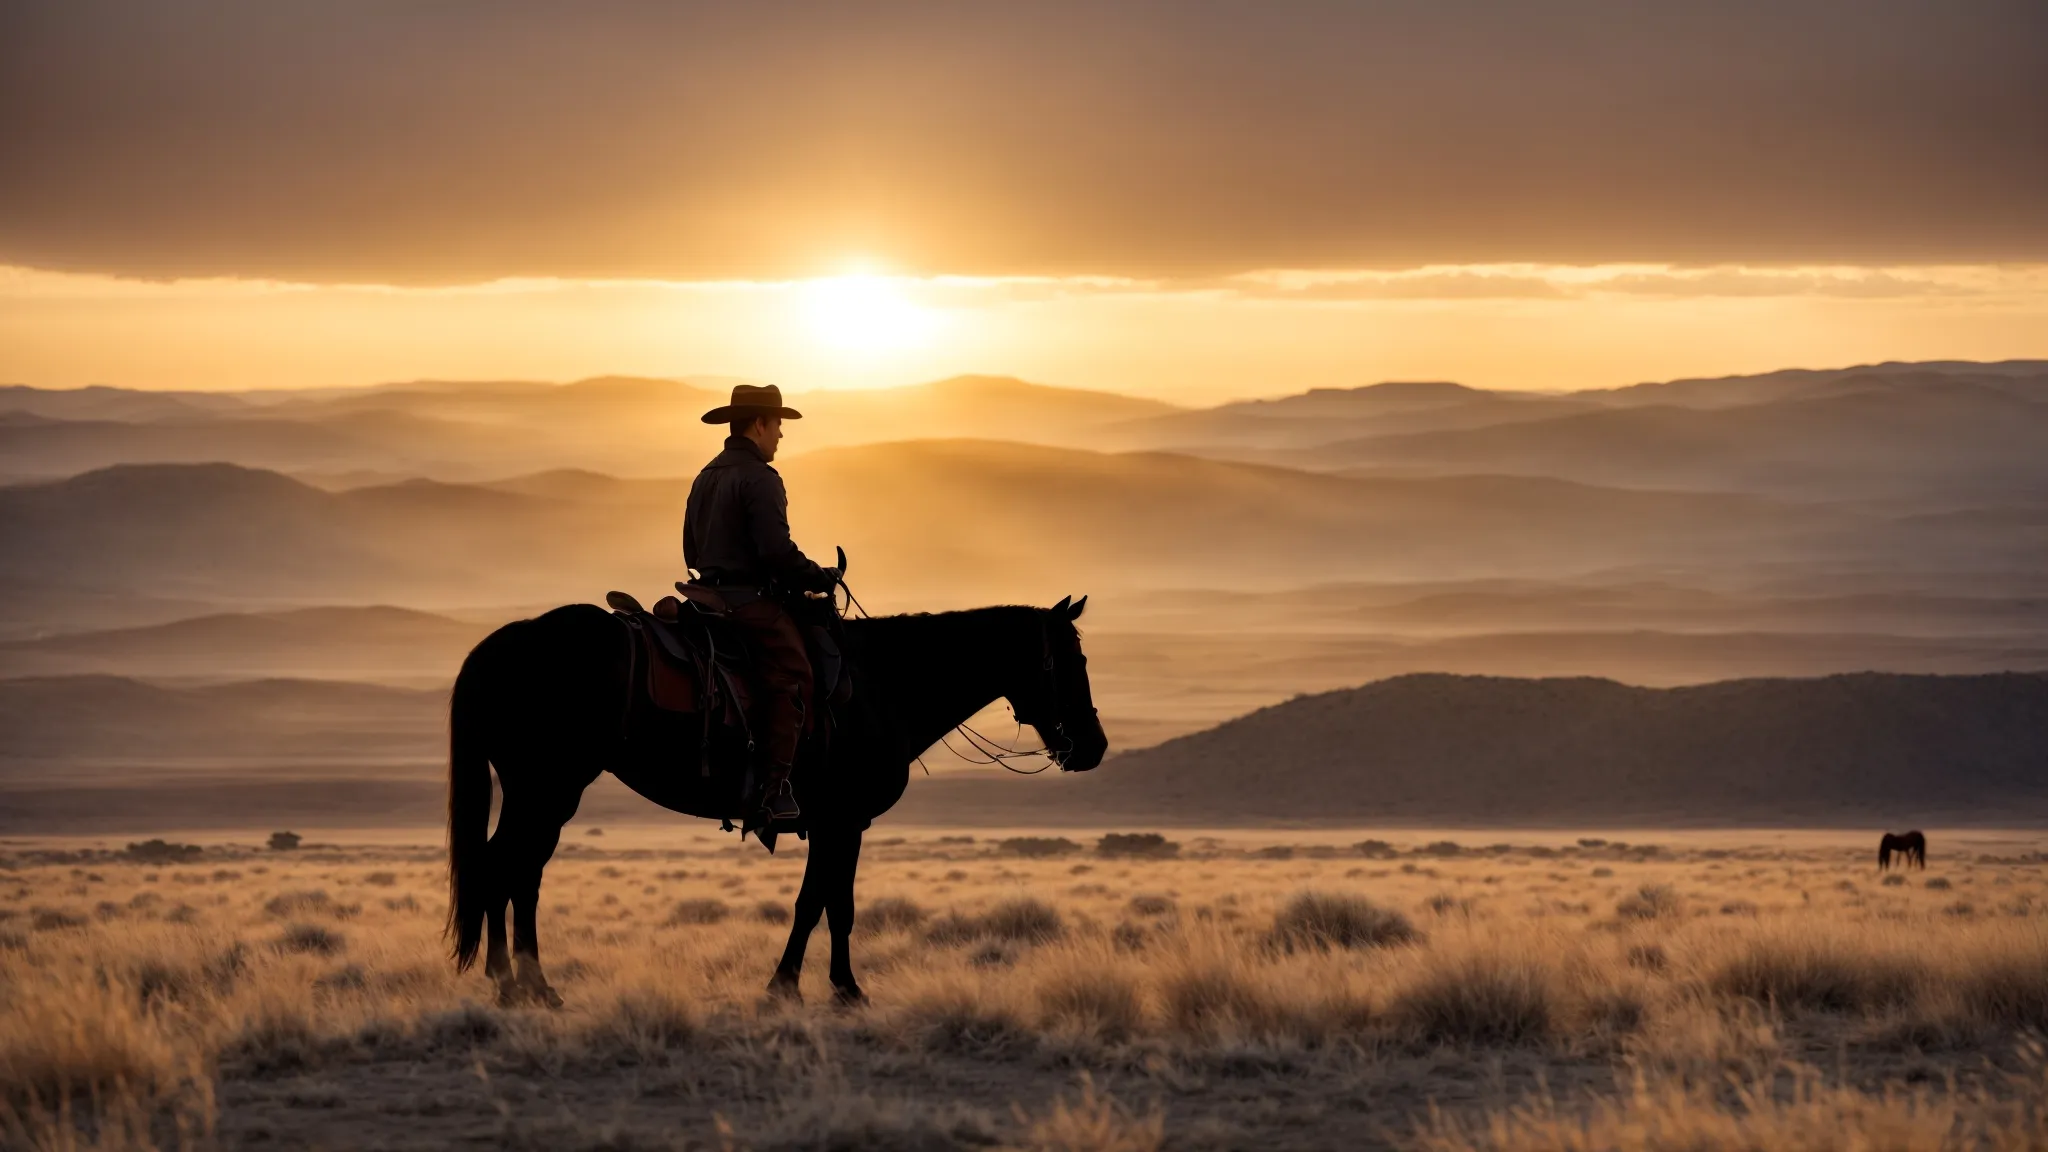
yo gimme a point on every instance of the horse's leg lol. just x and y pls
(497, 957)
(537, 836)
(810, 904)
(839, 906)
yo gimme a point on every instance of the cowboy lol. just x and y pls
(736, 540)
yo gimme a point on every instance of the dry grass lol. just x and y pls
(129, 993)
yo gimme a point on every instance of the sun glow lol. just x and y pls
(867, 314)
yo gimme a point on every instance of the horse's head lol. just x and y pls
(1052, 694)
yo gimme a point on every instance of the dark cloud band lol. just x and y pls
(386, 140)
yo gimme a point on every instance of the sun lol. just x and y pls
(865, 313)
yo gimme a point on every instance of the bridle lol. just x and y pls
(994, 753)
(989, 751)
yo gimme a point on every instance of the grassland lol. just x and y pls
(1745, 990)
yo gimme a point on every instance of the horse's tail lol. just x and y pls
(472, 713)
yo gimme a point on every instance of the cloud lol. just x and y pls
(386, 140)
(1559, 282)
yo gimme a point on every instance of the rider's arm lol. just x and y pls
(768, 520)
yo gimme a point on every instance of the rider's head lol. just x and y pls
(764, 431)
(756, 412)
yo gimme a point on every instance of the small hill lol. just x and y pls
(1870, 747)
(1935, 440)
(68, 718)
(363, 643)
(2025, 377)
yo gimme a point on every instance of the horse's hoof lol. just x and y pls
(783, 989)
(516, 995)
(849, 996)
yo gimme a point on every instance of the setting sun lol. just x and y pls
(865, 313)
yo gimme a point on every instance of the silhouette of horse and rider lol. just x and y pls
(552, 702)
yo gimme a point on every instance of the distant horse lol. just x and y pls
(1911, 847)
(545, 702)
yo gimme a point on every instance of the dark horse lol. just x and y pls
(1911, 847)
(544, 702)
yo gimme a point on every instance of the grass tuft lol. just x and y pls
(1483, 998)
(1322, 921)
(697, 912)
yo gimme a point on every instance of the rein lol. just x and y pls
(991, 752)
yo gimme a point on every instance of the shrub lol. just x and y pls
(1374, 848)
(1815, 973)
(889, 914)
(1648, 957)
(1024, 921)
(1322, 921)
(282, 841)
(2006, 990)
(1441, 848)
(772, 912)
(1101, 1004)
(52, 919)
(311, 939)
(1480, 999)
(1443, 904)
(1939, 883)
(954, 1018)
(1150, 905)
(697, 912)
(1274, 852)
(162, 852)
(645, 1021)
(1036, 846)
(1143, 845)
(381, 879)
(1215, 998)
(309, 901)
(1650, 902)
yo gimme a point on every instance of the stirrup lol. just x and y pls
(788, 809)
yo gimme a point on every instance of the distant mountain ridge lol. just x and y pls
(969, 521)
(471, 431)
(635, 426)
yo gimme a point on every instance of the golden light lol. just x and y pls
(865, 313)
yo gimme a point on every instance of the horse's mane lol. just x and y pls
(877, 638)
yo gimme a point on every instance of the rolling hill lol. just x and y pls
(468, 431)
(943, 522)
(1484, 750)
(378, 643)
(1936, 441)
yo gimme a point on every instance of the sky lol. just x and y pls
(1184, 198)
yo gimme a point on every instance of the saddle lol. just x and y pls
(682, 661)
(693, 663)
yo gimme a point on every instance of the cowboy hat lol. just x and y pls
(748, 400)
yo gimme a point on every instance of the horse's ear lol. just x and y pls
(1081, 605)
(1062, 605)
